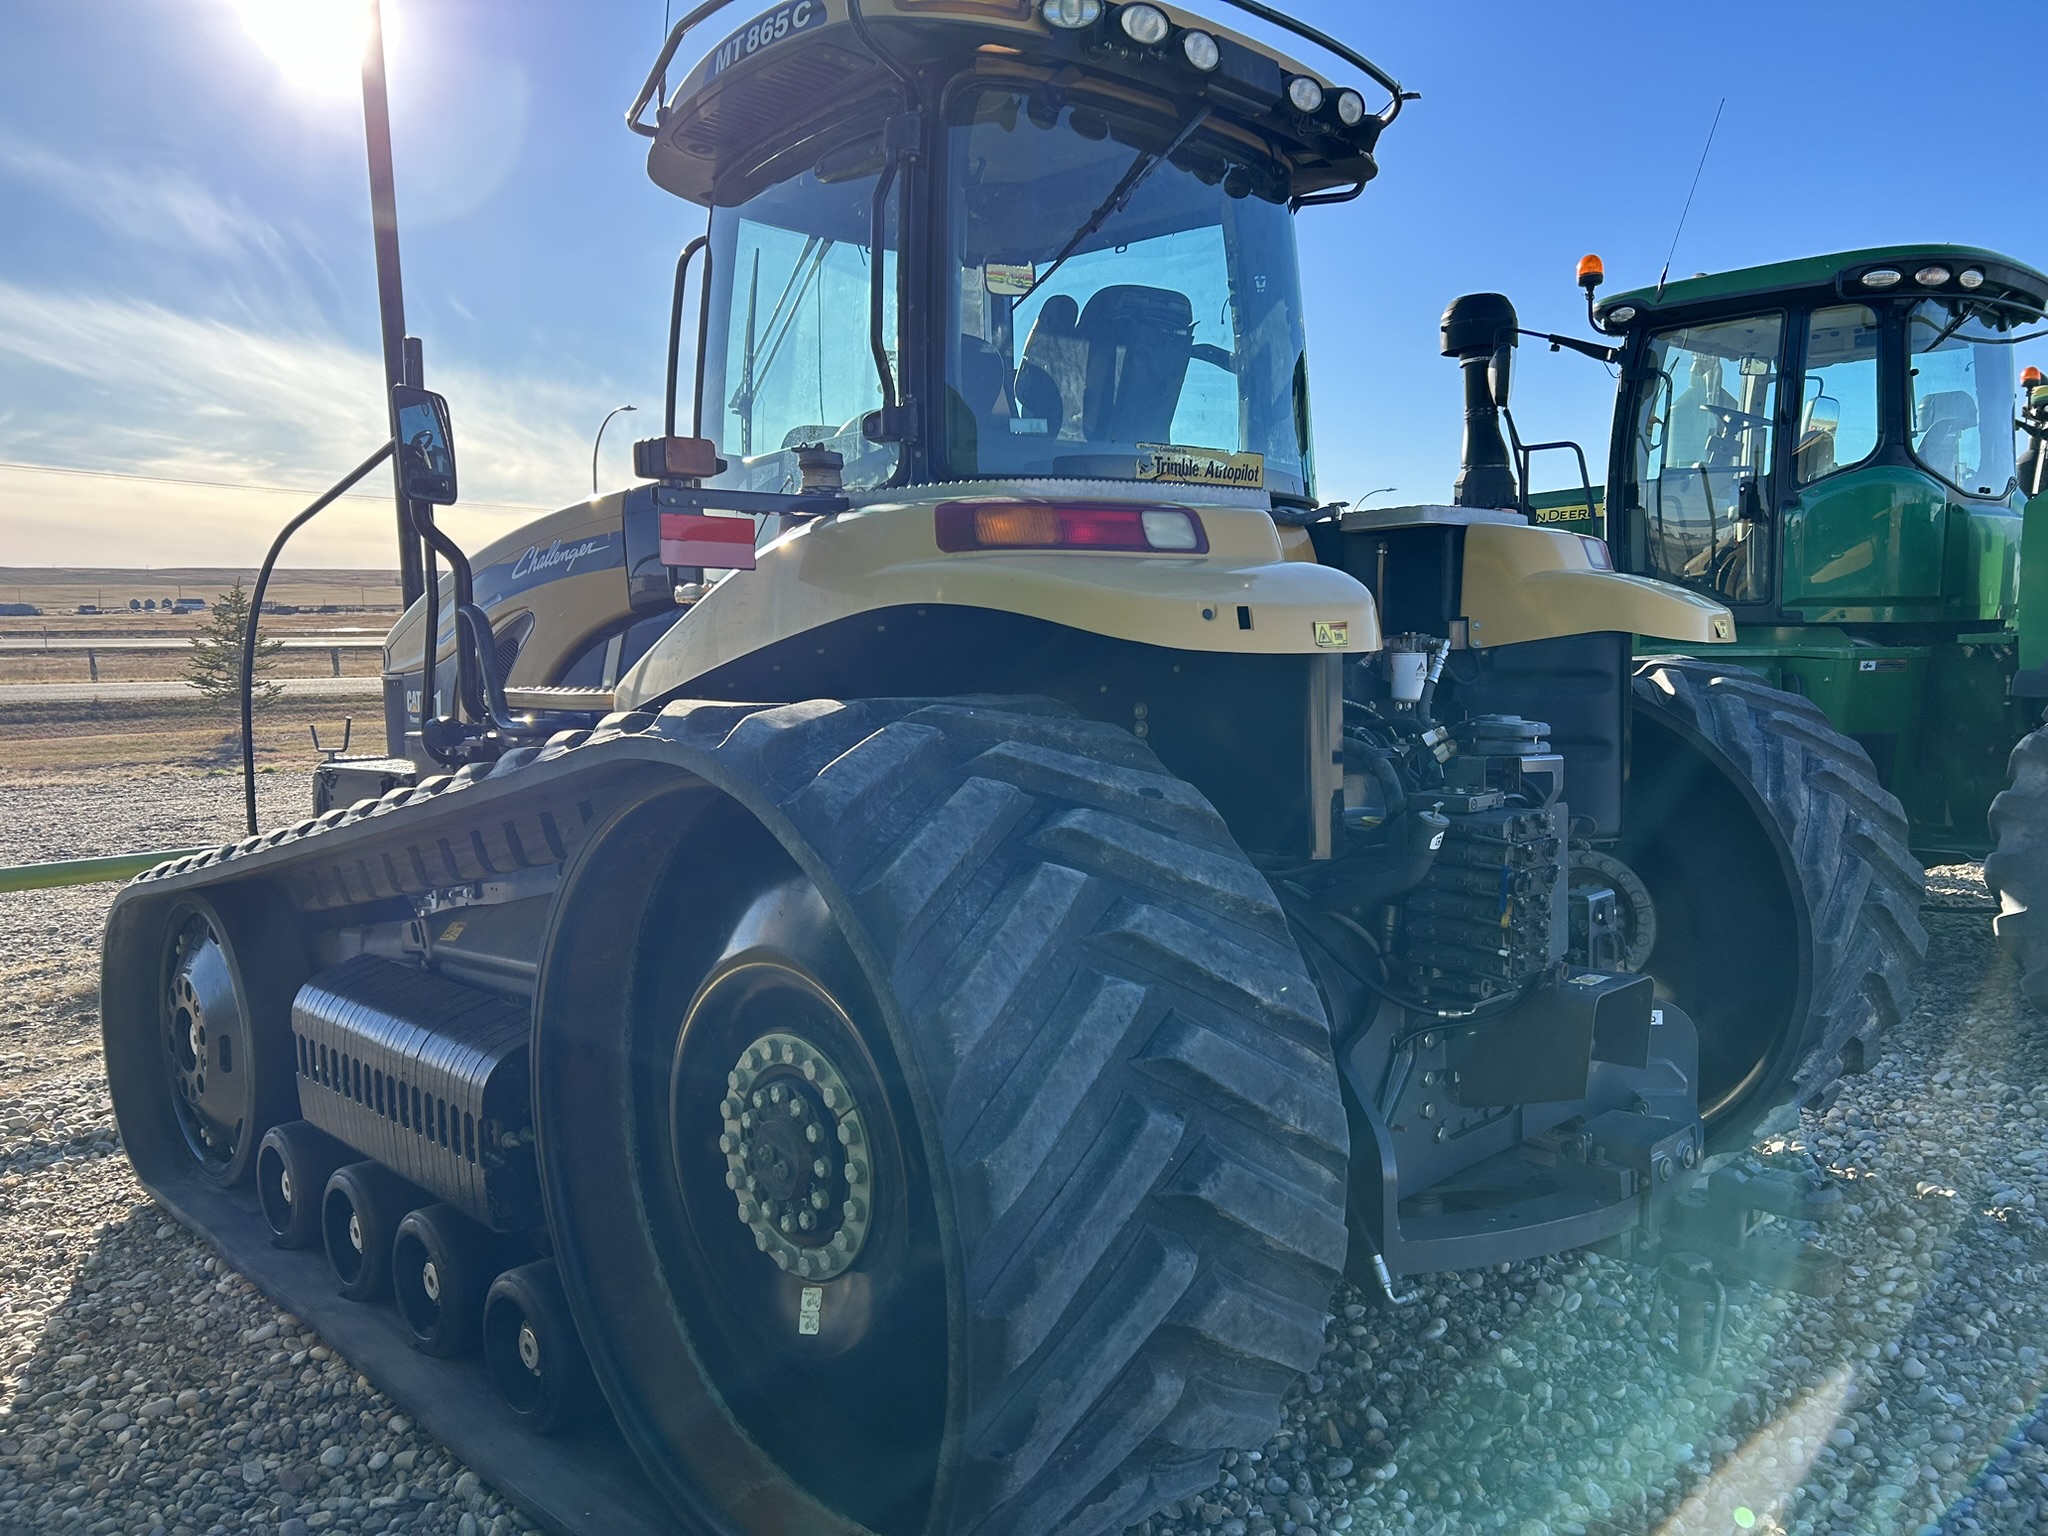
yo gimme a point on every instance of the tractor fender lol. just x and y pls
(1523, 583)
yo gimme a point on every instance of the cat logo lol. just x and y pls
(1333, 633)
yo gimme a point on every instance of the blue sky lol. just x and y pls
(186, 288)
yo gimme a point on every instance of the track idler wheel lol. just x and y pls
(292, 1168)
(532, 1351)
(359, 1215)
(441, 1269)
(226, 971)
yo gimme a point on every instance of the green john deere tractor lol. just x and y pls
(1828, 447)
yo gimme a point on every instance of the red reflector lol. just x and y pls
(970, 525)
(723, 543)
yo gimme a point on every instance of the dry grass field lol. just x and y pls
(111, 739)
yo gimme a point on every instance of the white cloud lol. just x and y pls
(126, 385)
(162, 208)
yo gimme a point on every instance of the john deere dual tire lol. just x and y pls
(1787, 903)
(961, 1148)
(2017, 867)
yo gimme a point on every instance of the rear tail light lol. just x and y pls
(969, 525)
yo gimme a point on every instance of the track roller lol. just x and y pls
(441, 1269)
(359, 1214)
(292, 1167)
(531, 1348)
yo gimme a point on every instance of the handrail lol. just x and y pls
(248, 678)
(1257, 8)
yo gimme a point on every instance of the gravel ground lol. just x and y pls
(142, 1389)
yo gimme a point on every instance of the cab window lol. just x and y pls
(1838, 409)
(1701, 454)
(1961, 399)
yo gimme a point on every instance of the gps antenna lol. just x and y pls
(1688, 197)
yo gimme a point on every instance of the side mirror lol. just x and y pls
(426, 445)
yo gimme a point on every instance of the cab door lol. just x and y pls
(1701, 475)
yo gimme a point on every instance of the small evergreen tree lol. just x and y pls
(216, 665)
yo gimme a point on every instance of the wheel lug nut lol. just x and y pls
(821, 1169)
(787, 1224)
(760, 1098)
(819, 1199)
(813, 1134)
(726, 1145)
(806, 1220)
(796, 1107)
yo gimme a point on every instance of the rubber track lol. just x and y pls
(1143, 1144)
(1846, 835)
(2017, 867)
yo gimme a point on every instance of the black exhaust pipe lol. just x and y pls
(1479, 330)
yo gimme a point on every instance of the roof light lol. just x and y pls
(2030, 376)
(1350, 108)
(1201, 50)
(1071, 15)
(1931, 277)
(1971, 278)
(1880, 277)
(1144, 24)
(1306, 94)
(1088, 526)
(1592, 271)
(1621, 314)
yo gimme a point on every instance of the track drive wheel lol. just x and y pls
(226, 977)
(2017, 867)
(968, 1069)
(1787, 904)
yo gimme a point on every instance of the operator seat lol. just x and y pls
(1138, 342)
(1942, 419)
(1054, 374)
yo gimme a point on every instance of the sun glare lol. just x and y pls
(317, 45)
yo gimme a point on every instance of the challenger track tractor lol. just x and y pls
(898, 960)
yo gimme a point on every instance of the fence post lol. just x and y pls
(92, 663)
(335, 657)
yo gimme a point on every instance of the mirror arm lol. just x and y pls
(248, 678)
(1591, 349)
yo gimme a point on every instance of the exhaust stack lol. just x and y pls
(1479, 330)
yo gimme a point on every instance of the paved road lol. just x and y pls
(88, 693)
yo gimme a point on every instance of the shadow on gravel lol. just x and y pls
(164, 1394)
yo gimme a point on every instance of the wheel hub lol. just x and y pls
(201, 1033)
(797, 1157)
(430, 1280)
(529, 1348)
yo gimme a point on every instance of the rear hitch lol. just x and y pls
(1727, 1219)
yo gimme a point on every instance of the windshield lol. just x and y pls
(788, 361)
(1167, 345)
(1962, 401)
(1701, 454)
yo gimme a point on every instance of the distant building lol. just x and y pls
(188, 605)
(88, 607)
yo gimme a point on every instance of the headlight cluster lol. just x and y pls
(1150, 27)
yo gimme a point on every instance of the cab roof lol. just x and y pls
(799, 65)
(1842, 273)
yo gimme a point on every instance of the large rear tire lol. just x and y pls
(2017, 867)
(1787, 903)
(1102, 1212)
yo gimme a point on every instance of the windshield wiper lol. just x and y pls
(1119, 196)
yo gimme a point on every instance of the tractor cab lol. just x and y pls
(1827, 440)
(1007, 241)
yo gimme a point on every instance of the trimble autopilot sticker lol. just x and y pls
(1201, 466)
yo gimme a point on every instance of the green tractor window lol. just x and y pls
(1701, 455)
(1961, 400)
(1838, 413)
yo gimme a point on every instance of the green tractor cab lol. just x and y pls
(1826, 446)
